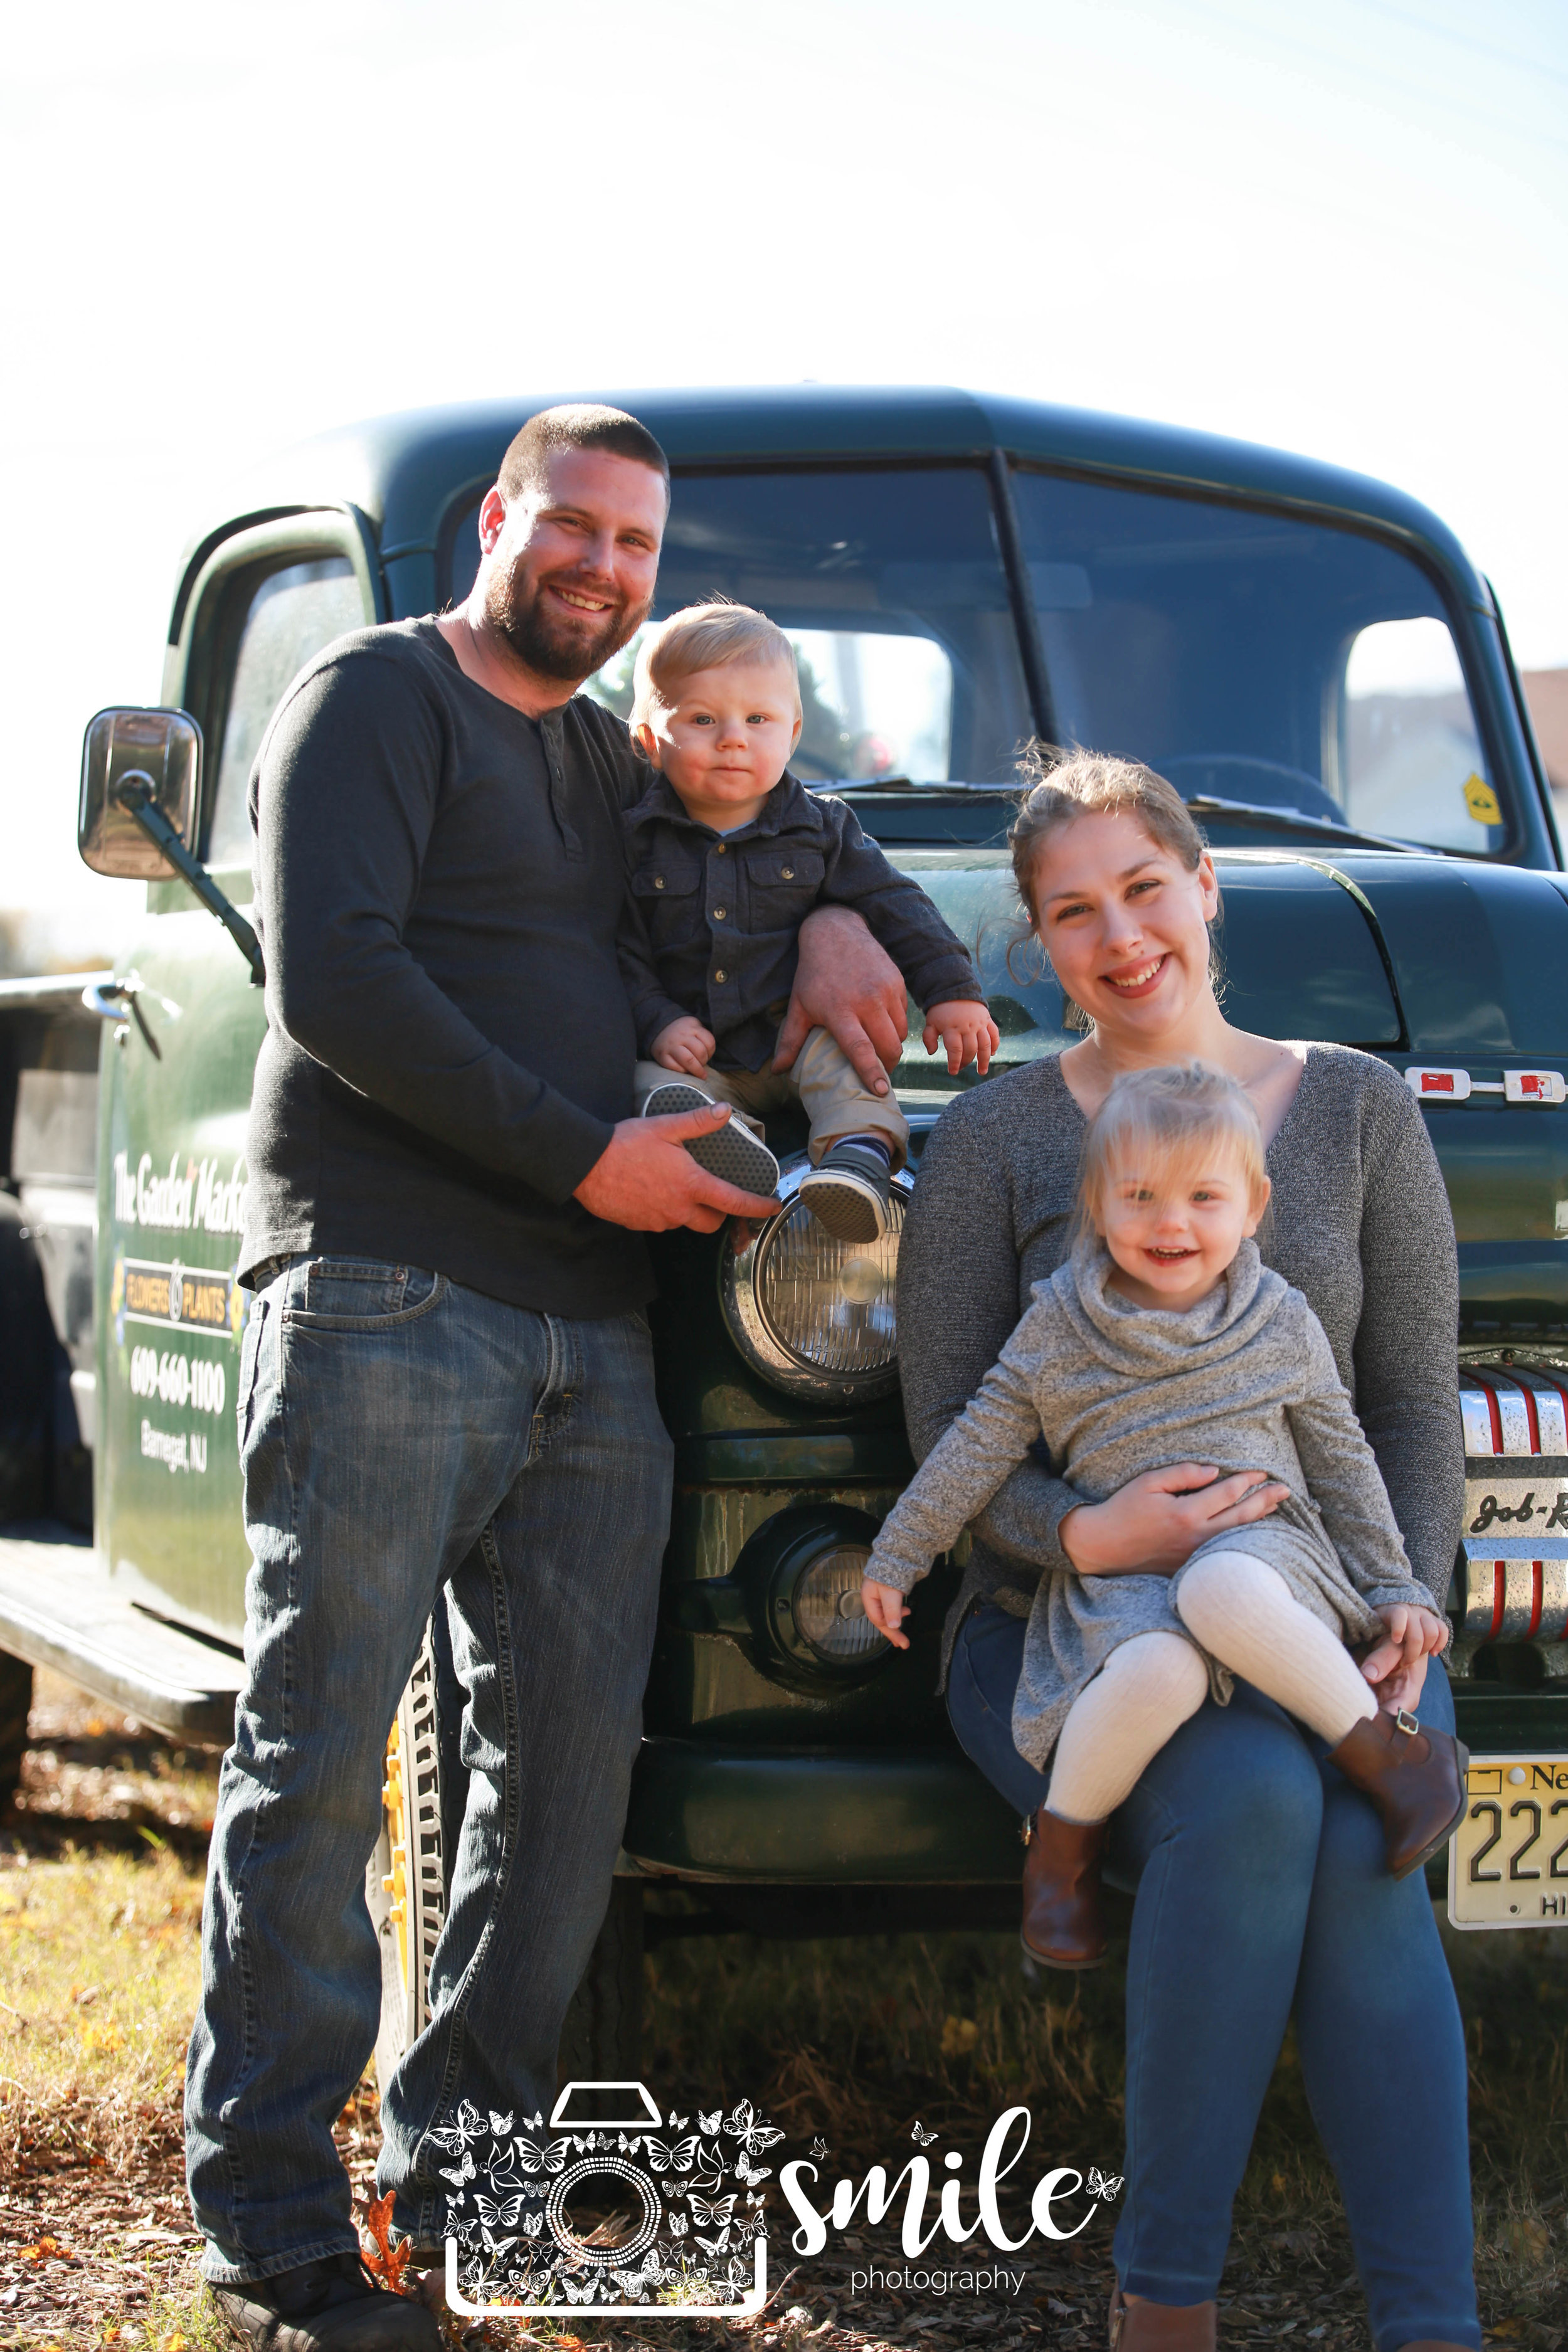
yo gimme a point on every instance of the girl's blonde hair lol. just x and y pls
(704, 636)
(1061, 786)
(1178, 1115)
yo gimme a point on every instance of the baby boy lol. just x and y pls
(727, 855)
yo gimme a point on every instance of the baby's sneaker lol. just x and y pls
(731, 1152)
(847, 1190)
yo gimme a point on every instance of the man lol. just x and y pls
(445, 1390)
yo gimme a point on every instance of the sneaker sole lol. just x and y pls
(731, 1152)
(1437, 1844)
(849, 1211)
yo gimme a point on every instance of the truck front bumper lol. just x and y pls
(866, 1817)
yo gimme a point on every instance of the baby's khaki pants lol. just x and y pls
(823, 1080)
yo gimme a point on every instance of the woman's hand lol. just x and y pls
(885, 1606)
(1152, 1526)
(1396, 1668)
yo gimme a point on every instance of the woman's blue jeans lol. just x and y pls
(1261, 1890)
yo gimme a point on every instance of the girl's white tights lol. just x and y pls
(1242, 1611)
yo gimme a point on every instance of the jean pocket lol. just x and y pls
(335, 1293)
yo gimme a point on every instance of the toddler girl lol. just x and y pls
(1165, 1339)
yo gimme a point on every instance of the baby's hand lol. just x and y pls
(1397, 1665)
(968, 1033)
(885, 1606)
(684, 1045)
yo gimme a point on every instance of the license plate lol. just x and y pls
(1507, 1859)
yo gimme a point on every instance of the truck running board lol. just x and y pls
(59, 1608)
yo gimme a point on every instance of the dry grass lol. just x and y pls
(855, 2041)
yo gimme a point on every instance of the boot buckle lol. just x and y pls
(1405, 1722)
(1026, 1829)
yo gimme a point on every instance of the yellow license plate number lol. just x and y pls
(1508, 1860)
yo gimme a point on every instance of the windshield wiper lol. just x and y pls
(1293, 819)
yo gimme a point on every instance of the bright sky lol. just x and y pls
(1339, 231)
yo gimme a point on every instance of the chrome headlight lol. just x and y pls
(815, 1315)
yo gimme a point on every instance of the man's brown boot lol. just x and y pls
(1140, 2326)
(1063, 1925)
(1415, 1778)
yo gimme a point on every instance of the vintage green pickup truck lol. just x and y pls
(1309, 656)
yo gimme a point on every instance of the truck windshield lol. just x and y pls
(1255, 657)
(890, 587)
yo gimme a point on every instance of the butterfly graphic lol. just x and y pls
(628, 2147)
(496, 2216)
(639, 2281)
(584, 2294)
(751, 2173)
(551, 2157)
(819, 2147)
(532, 2223)
(1103, 2184)
(715, 2245)
(457, 2174)
(922, 2138)
(679, 2225)
(709, 2169)
(469, 2125)
(534, 2122)
(710, 2124)
(679, 2158)
(678, 2123)
(500, 2124)
(753, 2136)
(708, 2214)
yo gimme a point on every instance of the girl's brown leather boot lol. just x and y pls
(1063, 1925)
(1140, 2326)
(1416, 1778)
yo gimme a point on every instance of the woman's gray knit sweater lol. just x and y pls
(1245, 1379)
(1359, 1224)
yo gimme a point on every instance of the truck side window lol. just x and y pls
(292, 613)
(1410, 762)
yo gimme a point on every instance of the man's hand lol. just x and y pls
(1152, 1525)
(846, 984)
(884, 1606)
(1397, 1666)
(646, 1181)
(968, 1033)
(685, 1046)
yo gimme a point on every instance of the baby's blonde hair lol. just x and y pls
(1178, 1114)
(704, 636)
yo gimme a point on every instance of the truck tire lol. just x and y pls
(27, 1353)
(15, 1705)
(405, 1886)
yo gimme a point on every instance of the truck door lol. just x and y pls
(174, 1083)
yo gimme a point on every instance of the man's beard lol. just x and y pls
(549, 648)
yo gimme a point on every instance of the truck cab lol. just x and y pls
(1309, 656)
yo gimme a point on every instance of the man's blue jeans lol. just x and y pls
(1261, 1888)
(407, 1443)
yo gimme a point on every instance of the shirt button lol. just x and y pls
(658, 881)
(721, 975)
(788, 873)
(719, 848)
(718, 914)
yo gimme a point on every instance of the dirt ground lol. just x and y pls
(858, 2044)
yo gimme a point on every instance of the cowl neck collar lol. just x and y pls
(1152, 1340)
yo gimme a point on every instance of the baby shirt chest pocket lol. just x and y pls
(664, 886)
(782, 886)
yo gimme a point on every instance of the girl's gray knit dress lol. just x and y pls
(1246, 1379)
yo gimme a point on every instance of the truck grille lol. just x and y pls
(1513, 1569)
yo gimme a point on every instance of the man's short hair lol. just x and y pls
(576, 425)
(704, 636)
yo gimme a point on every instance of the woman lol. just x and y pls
(1257, 1870)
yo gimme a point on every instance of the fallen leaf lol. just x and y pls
(959, 2036)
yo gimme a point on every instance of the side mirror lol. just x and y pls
(158, 754)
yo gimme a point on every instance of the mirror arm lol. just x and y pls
(135, 797)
